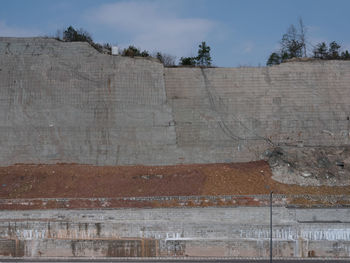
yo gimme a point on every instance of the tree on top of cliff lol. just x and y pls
(132, 51)
(320, 51)
(80, 35)
(293, 45)
(72, 35)
(167, 59)
(333, 52)
(187, 61)
(203, 58)
(274, 59)
(345, 55)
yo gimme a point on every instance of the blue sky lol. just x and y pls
(239, 32)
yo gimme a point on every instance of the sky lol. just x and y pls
(239, 32)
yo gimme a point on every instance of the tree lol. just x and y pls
(333, 51)
(144, 54)
(203, 58)
(320, 51)
(188, 61)
(133, 51)
(293, 44)
(72, 35)
(274, 59)
(302, 30)
(345, 55)
(166, 59)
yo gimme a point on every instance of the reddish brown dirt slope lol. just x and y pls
(72, 180)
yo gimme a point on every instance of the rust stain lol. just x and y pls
(109, 86)
(127, 248)
(19, 252)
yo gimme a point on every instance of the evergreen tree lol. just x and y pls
(345, 55)
(274, 59)
(72, 35)
(320, 51)
(333, 50)
(131, 51)
(203, 58)
(187, 61)
(144, 53)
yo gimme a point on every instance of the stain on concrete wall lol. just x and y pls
(12, 247)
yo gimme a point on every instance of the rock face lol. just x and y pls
(237, 113)
(314, 166)
(66, 103)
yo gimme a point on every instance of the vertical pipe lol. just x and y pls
(271, 226)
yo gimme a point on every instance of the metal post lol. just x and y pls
(271, 226)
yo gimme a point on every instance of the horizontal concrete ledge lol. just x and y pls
(279, 200)
(170, 197)
(187, 197)
(168, 259)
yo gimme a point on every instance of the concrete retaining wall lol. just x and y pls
(227, 114)
(176, 232)
(65, 102)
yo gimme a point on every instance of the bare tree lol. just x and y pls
(59, 34)
(291, 44)
(167, 59)
(302, 32)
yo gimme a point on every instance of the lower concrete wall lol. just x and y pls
(222, 232)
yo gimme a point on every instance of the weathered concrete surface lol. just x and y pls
(65, 102)
(233, 114)
(176, 232)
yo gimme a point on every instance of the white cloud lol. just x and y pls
(12, 31)
(248, 47)
(154, 26)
